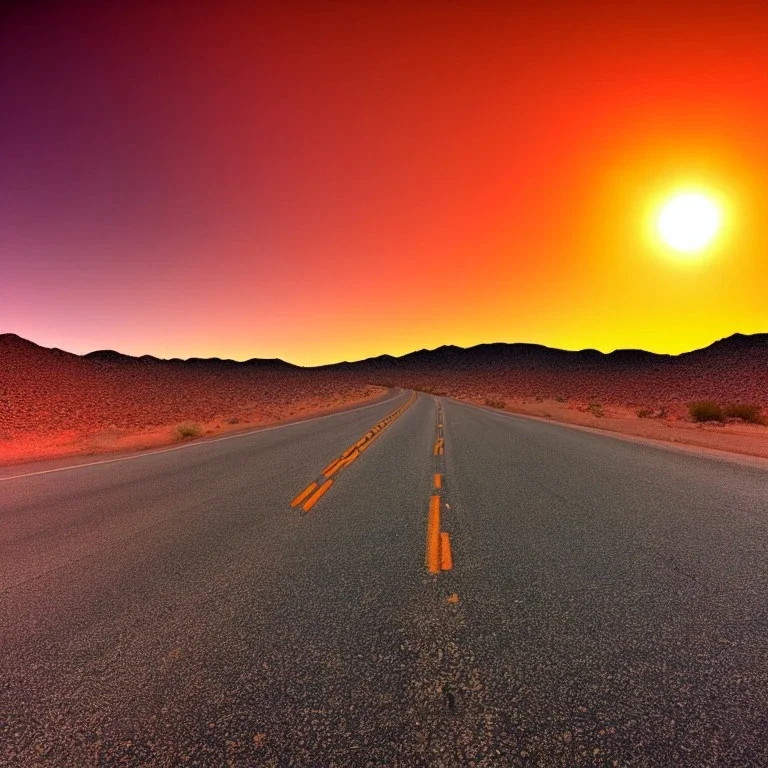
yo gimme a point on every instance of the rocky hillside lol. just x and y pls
(51, 396)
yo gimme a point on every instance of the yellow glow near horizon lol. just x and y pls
(689, 222)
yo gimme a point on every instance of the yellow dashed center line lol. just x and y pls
(332, 467)
(312, 500)
(439, 556)
(433, 535)
(303, 495)
(446, 559)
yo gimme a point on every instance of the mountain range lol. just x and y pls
(738, 345)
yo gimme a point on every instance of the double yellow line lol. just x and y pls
(310, 495)
(439, 557)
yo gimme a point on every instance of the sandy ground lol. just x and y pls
(103, 441)
(733, 436)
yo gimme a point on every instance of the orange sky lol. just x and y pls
(336, 181)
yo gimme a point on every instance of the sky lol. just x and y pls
(335, 180)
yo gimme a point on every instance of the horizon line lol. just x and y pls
(386, 354)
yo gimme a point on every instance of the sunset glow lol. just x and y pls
(320, 185)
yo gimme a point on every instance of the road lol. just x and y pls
(594, 601)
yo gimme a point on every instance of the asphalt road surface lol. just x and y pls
(569, 599)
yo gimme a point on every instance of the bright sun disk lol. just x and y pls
(689, 222)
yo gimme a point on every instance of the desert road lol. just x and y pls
(452, 586)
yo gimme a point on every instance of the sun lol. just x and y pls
(689, 222)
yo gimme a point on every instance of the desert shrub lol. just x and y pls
(494, 403)
(663, 412)
(745, 412)
(596, 410)
(644, 413)
(233, 420)
(706, 410)
(188, 430)
(561, 399)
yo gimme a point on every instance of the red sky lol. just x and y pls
(328, 181)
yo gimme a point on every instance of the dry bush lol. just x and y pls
(188, 430)
(745, 412)
(706, 410)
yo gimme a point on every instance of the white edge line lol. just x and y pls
(249, 433)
